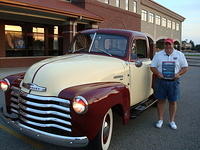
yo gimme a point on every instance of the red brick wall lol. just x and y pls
(113, 17)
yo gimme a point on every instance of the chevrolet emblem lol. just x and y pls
(34, 87)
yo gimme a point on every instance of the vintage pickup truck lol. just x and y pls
(69, 100)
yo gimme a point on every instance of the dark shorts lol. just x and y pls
(165, 89)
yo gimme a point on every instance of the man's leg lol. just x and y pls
(172, 110)
(160, 109)
(160, 94)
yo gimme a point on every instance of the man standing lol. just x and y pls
(168, 65)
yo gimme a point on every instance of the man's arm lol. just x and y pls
(181, 72)
(184, 66)
(156, 72)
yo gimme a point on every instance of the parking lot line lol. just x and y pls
(25, 139)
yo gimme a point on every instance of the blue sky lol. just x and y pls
(189, 9)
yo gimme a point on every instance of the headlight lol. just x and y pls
(4, 84)
(80, 105)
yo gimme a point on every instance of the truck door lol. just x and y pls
(140, 74)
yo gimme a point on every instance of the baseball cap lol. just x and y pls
(168, 40)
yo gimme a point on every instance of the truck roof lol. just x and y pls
(115, 31)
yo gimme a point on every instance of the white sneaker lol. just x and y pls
(159, 124)
(173, 125)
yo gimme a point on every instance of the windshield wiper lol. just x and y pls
(104, 51)
(92, 42)
(97, 48)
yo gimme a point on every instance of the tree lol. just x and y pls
(193, 45)
(197, 47)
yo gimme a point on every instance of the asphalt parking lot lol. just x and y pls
(139, 133)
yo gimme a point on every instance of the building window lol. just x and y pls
(144, 15)
(151, 17)
(164, 22)
(55, 40)
(107, 1)
(134, 6)
(169, 24)
(30, 41)
(173, 26)
(157, 20)
(117, 3)
(177, 27)
(126, 6)
(15, 44)
(38, 41)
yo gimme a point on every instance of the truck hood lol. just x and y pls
(61, 72)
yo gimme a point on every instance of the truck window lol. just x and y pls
(115, 45)
(133, 52)
(141, 48)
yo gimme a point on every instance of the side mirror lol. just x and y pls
(138, 63)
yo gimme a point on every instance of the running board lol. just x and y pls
(137, 110)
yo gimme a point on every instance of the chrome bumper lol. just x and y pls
(41, 135)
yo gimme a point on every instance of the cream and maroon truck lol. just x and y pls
(69, 100)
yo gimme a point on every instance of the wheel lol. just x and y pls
(106, 130)
(103, 138)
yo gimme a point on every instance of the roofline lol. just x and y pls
(162, 9)
(48, 10)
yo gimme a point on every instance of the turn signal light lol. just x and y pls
(80, 105)
(4, 85)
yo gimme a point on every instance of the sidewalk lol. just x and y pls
(8, 71)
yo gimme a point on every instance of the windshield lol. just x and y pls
(112, 45)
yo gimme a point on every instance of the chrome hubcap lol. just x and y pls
(106, 129)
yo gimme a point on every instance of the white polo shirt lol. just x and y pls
(176, 57)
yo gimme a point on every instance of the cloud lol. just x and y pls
(190, 31)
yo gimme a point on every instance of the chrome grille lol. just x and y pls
(14, 100)
(50, 114)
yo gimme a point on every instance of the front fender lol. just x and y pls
(101, 97)
(15, 81)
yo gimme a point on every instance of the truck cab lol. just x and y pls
(69, 100)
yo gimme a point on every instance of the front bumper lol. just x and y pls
(41, 135)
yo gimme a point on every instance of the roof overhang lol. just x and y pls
(152, 4)
(55, 10)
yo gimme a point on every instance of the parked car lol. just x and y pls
(69, 100)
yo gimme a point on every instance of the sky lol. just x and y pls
(189, 9)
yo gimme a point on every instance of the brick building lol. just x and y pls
(34, 30)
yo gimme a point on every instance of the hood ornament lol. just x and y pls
(34, 87)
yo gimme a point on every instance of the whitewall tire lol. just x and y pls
(103, 138)
(106, 130)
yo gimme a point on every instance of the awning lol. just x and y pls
(55, 7)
